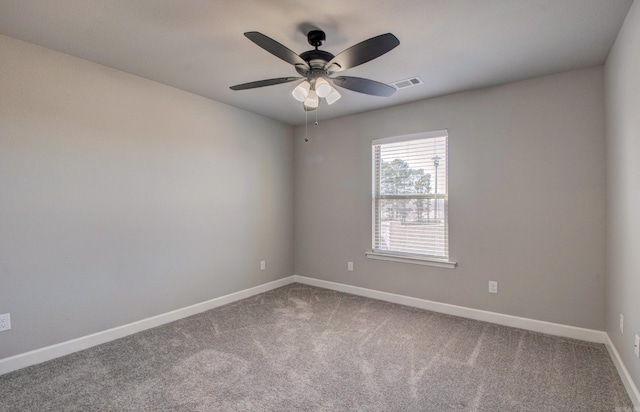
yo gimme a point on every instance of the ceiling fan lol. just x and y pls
(317, 67)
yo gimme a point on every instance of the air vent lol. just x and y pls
(403, 84)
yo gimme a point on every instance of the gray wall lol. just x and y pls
(622, 81)
(527, 199)
(121, 198)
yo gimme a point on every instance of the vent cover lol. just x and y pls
(403, 84)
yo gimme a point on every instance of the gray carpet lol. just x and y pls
(301, 348)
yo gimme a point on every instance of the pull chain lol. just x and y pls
(306, 122)
(306, 125)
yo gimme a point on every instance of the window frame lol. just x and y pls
(413, 258)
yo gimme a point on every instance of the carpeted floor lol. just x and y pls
(301, 348)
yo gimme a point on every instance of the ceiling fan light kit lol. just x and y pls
(322, 90)
(316, 67)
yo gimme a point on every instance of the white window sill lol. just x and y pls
(441, 263)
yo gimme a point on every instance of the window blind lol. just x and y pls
(410, 198)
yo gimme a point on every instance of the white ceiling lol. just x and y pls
(198, 45)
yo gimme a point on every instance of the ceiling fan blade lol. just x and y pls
(263, 83)
(363, 52)
(275, 48)
(366, 86)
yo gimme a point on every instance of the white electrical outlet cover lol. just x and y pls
(5, 322)
(636, 346)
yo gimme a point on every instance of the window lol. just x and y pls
(410, 198)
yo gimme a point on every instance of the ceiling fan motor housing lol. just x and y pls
(316, 59)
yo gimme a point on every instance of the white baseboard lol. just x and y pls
(65, 348)
(550, 328)
(632, 389)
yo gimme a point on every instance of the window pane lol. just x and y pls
(412, 226)
(410, 197)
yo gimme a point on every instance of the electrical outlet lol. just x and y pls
(5, 322)
(263, 265)
(636, 346)
(493, 286)
(350, 266)
(621, 323)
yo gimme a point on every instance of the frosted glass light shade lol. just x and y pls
(301, 91)
(323, 88)
(312, 99)
(333, 96)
